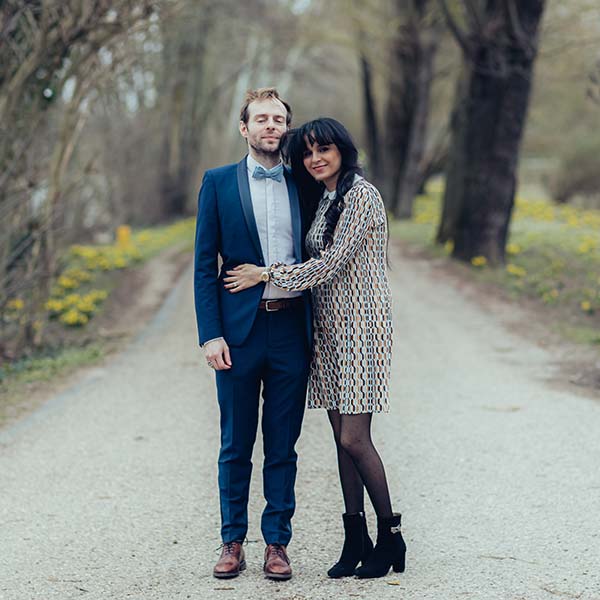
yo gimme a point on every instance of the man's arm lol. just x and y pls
(206, 273)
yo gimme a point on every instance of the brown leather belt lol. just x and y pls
(279, 304)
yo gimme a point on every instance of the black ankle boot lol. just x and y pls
(390, 550)
(357, 546)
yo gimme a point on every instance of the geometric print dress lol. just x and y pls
(352, 352)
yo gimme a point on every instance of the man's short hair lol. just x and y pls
(263, 94)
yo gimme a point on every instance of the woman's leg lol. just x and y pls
(353, 490)
(357, 543)
(355, 442)
(390, 550)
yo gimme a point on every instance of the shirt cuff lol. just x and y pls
(213, 340)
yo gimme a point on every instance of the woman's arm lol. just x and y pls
(351, 230)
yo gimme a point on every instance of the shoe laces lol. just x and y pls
(229, 547)
(278, 550)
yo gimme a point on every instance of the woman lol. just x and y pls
(351, 364)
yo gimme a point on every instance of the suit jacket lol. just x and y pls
(226, 226)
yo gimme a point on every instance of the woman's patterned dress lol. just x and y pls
(351, 364)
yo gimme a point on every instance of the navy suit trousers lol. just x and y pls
(275, 355)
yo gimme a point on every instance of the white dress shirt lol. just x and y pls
(273, 216)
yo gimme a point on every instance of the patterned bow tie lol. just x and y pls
(275, 173)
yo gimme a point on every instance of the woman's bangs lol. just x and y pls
(317, 132)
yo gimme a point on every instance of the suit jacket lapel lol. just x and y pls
(296, 218)
(244, 189)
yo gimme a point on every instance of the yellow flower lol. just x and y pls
(71, 300)
(86, 306)
(67, 283)
(120, 262)
(15, 304)
(586, 306)
(54, 305)
(96, 295)
(73, 318)
(86, 252)
(79, 275)
(513, 249)
(123, 235)
(479, 261)
(516, 270)
(103, 263)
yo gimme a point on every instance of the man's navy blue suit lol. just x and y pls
(272, 348)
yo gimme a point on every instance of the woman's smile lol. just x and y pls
(323, 162)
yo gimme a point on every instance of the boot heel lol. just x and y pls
(400, 565)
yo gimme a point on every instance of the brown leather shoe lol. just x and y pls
(277, 563)
(231, 562)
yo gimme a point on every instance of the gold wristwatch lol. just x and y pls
(266, 275)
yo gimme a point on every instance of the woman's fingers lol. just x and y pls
(240, 278)
(236, 286)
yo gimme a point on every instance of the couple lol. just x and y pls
(281, 235)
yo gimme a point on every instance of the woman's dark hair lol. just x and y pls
(322, 131)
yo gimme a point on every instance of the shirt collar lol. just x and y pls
(251, 164)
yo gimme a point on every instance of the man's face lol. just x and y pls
(266, 124)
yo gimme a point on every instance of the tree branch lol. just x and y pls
(516, 29)
(456, 31)
(474, 16)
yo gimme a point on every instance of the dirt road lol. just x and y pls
(109, 490)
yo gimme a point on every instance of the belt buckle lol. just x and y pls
(267, 306)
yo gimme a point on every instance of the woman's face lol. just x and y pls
(323, 162)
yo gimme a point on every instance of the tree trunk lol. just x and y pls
(373, 140)
(487, 128)
(185, 62)
(411, 73)
(456, 163)
(399, 114)
(426, 46)
(435, 159)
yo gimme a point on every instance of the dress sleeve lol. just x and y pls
(352, 228)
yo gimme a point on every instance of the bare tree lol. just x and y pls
(407, 114)
(499, 45)
(44, 45)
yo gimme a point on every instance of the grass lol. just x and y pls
(88, 276)
(45, 366)
(553, 258)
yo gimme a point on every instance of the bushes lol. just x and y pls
(578, 175)
(79, 289)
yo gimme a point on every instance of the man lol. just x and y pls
(250, 213)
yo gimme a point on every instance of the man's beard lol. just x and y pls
(264, 152)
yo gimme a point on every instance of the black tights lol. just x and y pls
(359, 464)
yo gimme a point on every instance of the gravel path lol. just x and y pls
(109, 491)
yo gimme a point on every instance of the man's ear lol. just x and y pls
(243, 129)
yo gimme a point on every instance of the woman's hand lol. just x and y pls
(243, 277)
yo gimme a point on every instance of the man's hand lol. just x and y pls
(217, 355)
